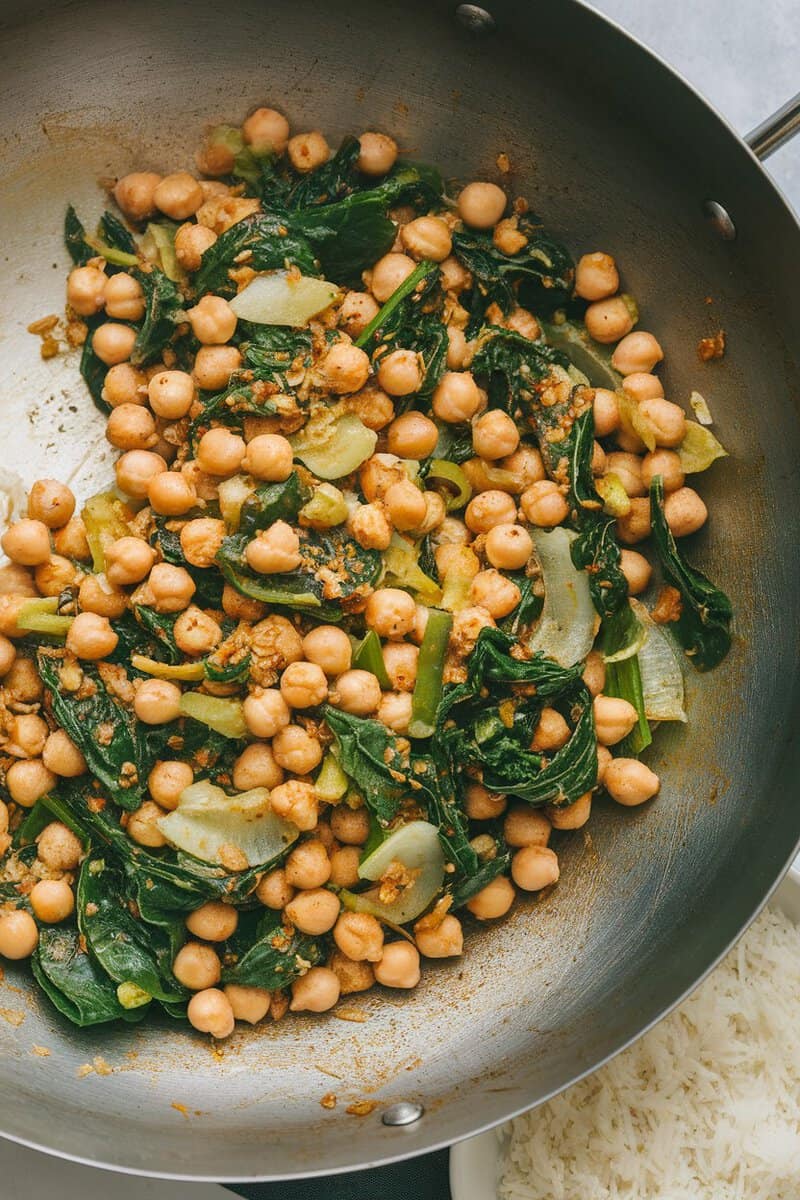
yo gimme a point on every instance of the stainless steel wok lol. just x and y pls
(616, 153)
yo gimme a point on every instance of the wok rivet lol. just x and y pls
(719, 219)
(475, 19)
(405, 1112)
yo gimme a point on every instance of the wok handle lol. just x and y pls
(771, 134)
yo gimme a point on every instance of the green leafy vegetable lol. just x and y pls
(263, 954)
(269, 245)
(623, 676)
(71, 979)
(368, 754)
(163, 300)
(596, 549)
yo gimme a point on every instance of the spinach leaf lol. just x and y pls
(491, 662)
(265, 954)
(270, 243)
(368, 754)
(75, 239)
(94, 372)
(704, 625)
(123, 946)
(417, 184)
(115, 234)
(347, 236)
(162, 628)
(71, 979)
(596, 549)
(334, 180)
(464, 888)
(414, 323)
(163, 300)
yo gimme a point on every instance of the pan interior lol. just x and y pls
(617, 155)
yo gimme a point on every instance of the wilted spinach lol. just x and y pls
(163, 300)
(264, 954)
(72, 980)
(596, 549)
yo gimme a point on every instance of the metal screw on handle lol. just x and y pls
(771, 134)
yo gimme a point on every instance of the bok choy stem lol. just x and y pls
(428, 688)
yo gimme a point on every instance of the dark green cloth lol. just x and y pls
(424, 1178)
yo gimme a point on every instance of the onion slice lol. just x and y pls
(207, 820)
(332, 447)
(568, 624)
(660, 669)
(283, 298)
(416, 848)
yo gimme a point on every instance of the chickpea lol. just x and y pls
(489, 509)
(482, 805)
(637, 571)
(22, 681)
(113, 343)
(58, 847)
(635, 527)
(594, 674)
(124, 298)
(370, 526)
(178, 195)
(10, 607)
(61, 756)
(86, 290)
(526, 826)
(571, 816)
(329, 648)
(266, 712)
(534, 868)
(401, 661)
(427, 238)
(269, 456)
(685, 512)
(308, 866)
(213, 921)
(494, 592)
(457, 397)
(614, 718)
(91, 637)
(171, 394)
(459, 351)
(241, 608)
(214, 365)
(398, 966)
(256, 767)
(316, 991)
(27, 542)
(451, 556)
(598, 459)
(508, 546)
(446, 940)
(387, 275)
(249, 1004)
(357, 692)
(390, 612)
(629, 442)
(399, 373)
(157, 701)
(274, 890)
(359, 936)
(405, 504)
(350, 825)
(356, 311)
(197, 966)
(167, 780)
(191, 243)
(304, 685)
(628, 469)
(454, 276)
(274, 550)
(352, 976)
(314, 911)
(481, 205)
(209, 1010)
(344, 866)
(641, 385)
(131, 427)
(525, 465)
(128, 560)
(493, 901)
(50, 502)
(71, 541)
(18, 934)
(307, 151)
(630, 782)
(124, 384)
(220, 452)
(394, 711)
(196, 632)
(135, 469)
(27, 734)
(96, 595)
(135, 194)
(668, 421)
(7, 655)
(378, 153)
(52, 900)
(143, 827)
(172, 587)
(552, 731)
(266, 130)
(55, 575)
(637, 353)
(201, 538)
(544, 504)
(171, 494)
(596, 276)
(494, 435)
(665, 463)
(608, 320)
(28, 780)
(296, 750)
(606, 412)
(296, 801)
(412, 435)
(213, 321)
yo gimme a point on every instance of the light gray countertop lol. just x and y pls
(743, 56)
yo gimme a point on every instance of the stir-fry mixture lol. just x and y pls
(353, 635)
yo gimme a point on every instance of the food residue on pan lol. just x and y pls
(712, 347)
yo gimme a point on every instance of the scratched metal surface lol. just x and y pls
(648, 899)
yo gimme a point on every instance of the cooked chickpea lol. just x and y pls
(352, 976)
(614, 718)
(249, 1004)
(508, 546)
(167, 780)
(86, 290)
(178, 195)
(27, 734)
(171, 494)
(329, 647)
(378, 153)
(209, 1010)
(157, 701)
(391, 612)
(400, 373)
(113, 343)
(22, 681)
(526, 826)
(18, 934)
(350, 825)
(96, 595)
(685, 512)
(191, 243)
(265, 712)
(213, 321)
(91, 637)
(308, 866)
(641, 385)
(637, 571)
(604, 757)
(52, 900)
(70, 541)
(296, 750)
(274, 550)
(488, 509)
(571, 816)
(316, 991)
(534, 868)
(630, 782)
(359, 936)
(427, 238)
(608, 320)
(446, 940)
(356, 692)
(494, 435)
(629, 441)
(605, 408)
(667, 464)
(412, 435)
(494, 592)
(482, 805)
(405, 504)
(628, 469)
(124, 384)
(274, 891)
(172, 587)
(27, 542)
(171, 394)
(50, 502)
(394, 711)
(668, 421)
(637, 353)
(124, 298)
(344, 369)
(213, 921)
(266, 130)
(61, 756)
(28, 780)
(344, 866)
(493, 901)
(128, 560)
(526, 467)
(544, 504)
(269, 456)
(481, 205)
(356, 311)
(143, 827)
(401, 661)
(131, 427)
(458, 349)
(314, 911)
(135, 194)
(304, 685)
(451, 556)
(197, 966)
(596, 276)
(457, 397)
(387, 275)
(307, 151)
(201, 538)
(220, 452)
(454, 276)
(196, 632)
(55, 575)
(398, 966)
(214, 365)
(58, 847)
(635, 527)
(7, 655)
(10, 606)
(135, 469)
(552, 732)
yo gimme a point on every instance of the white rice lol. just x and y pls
(704, 1107)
